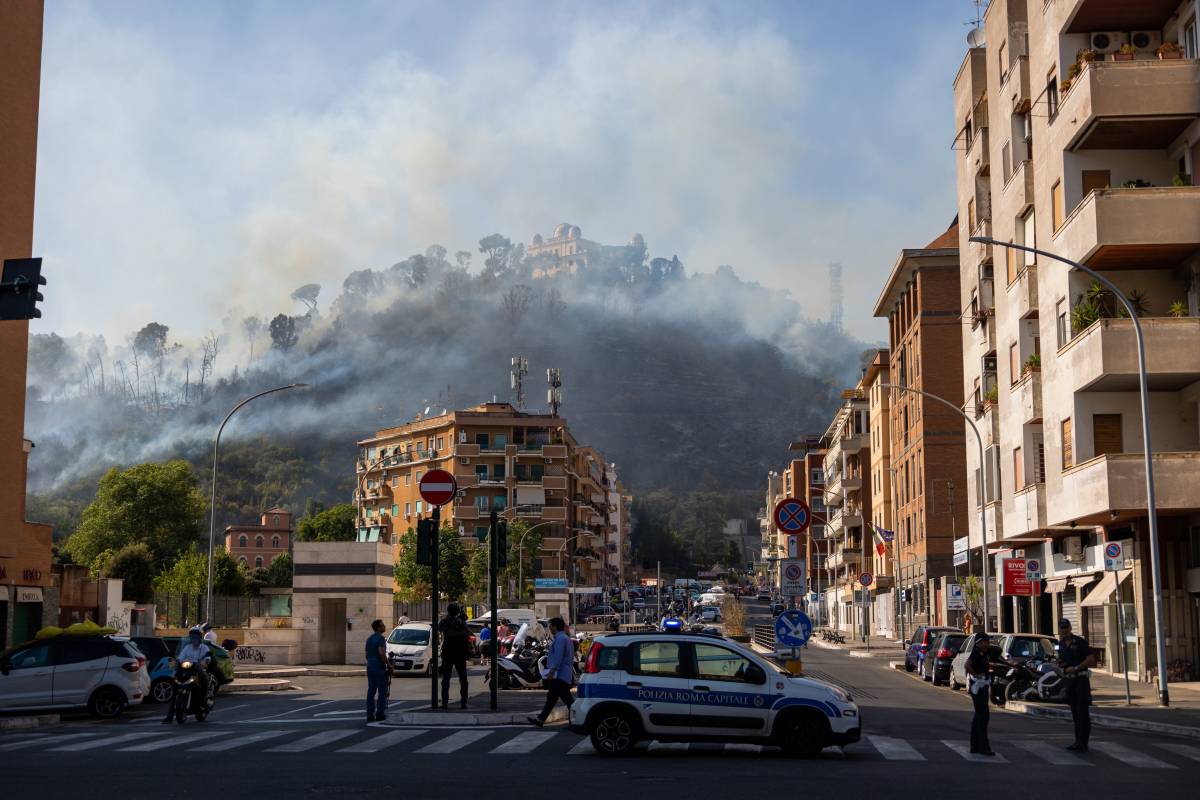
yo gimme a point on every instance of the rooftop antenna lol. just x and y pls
(976, 37)
(835, 296)
(554, 390)
(520, 368)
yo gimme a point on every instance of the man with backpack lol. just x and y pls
(456, 646)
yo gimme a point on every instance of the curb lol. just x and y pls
(260, 685)
(460, 719)
(27, 723)
(1104, 720)
(299, 672)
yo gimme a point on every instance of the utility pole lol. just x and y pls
(435, 537)
(493, 574)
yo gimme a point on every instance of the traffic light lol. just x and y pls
(502, 544)
(425, 534)
(19, 282)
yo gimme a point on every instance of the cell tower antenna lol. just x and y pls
(520, 368)
(554, 390)
(835, 296)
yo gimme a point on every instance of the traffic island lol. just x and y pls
(250, 685)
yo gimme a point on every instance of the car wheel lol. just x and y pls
(908, 665)
(954, 684)
(106, 702)
(802, 735)
(613, 732)
(162, 690)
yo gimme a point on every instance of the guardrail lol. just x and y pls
(764, 636)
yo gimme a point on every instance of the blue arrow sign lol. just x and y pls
(792, 628)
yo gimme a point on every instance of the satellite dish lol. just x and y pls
(976, 38)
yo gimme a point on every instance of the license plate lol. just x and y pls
(403, 664)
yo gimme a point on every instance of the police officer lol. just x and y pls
(1076, 658)
(978, 684)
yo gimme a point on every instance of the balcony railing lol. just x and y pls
(1103, 357)
(1132, 228)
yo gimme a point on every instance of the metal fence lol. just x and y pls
(764, 636)
(186, 610)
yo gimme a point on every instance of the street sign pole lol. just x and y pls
(433, 592)
(494, 639)
(1114, 561)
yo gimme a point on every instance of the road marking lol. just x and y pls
(582, 748)
(525, 742)
(895, 749)
(295, 710)
(1058, 756)
(1131, 757)
(171, 741)
(454, 741)
(39, 738)
(96, 743)
(377, 743)
(316, 740)
(668, 747)
(1185, 750)
(237, 741)
(964, 750)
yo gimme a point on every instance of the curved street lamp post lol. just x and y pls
(1151, 504)
(212, 509)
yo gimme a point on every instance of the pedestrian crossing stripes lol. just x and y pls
(281, 742)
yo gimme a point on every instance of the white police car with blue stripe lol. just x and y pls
(690, 687)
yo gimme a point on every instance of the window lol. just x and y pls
(242, 560)
(1002, 56)
(31, 657)
(258, 541)
(258, 562)
(408, 509)
(441, 442)
(971, 214)
(1062, 322)
(275, 521)
(1006, 160)
(481, 503)
(481, 472)
(1027, 236)
(1018, 468)
(420, 507)
(717, 663)
(481, 532)
(482, 440)
(1014, 363)
(657, 658)
(815, 475)
(1191, 49)
(1068, 446)
(1057, 207)
(1051, 95)
(1106, 434)
(499, 441)
(275, 539)
(610, 657)
(70, 650)
(242, 540)
(1010, 262)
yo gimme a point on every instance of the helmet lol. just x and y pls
(206, 627)
(196, 632)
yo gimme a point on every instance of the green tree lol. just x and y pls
(189, 575)
(733, 557)
(414, 578)
(157, 504)
(524, 543)
(133, 564)
(332, 525)
(477, 572)
(279, 572)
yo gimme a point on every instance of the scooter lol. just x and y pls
(1036, 679)
(195, 691)
(522, 667)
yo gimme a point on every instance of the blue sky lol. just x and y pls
(201, 159)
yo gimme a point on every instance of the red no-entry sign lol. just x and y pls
(438, 487)
(792, 515)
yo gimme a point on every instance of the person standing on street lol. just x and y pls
(456, 644)
(1076, 658)
(379, 674)
(979, 682)
(560, 671)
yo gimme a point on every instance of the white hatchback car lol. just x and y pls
(103, 674)
(690, 687)
(408, 648)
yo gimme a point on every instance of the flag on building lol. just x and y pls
(881, 535)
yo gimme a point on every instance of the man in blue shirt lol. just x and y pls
(560, 671)
(379, 674)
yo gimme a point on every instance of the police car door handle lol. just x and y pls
(633, 684)
(700, 688)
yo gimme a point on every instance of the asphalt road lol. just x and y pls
(314, 741)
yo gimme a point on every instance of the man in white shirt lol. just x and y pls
(195, 649)
(209, 634)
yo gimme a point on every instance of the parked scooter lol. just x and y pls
(195, 691)
(1036, 679)
(522, 667)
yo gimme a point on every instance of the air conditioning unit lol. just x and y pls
(1145, 41)
(1107, 41)
(1072, 548)
(548, 460)
(989, 364)
(464, 461)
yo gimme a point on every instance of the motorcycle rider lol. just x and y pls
(195, 650)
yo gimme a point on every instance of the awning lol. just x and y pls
(1080, 581)
(1107, 585)
(531, 496)
(1056, 585)
(3, 594)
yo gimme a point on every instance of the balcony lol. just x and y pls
(466, 450)
(1028, 514)
(844, 519)
(985, 333)
(554, 514)
(463, 511)
(977, 154)
(1028, 395)
(1017, 87)
(1083, 16)
(483, 479)
(1143, 104)
(1023, 292)
(854, 442)
(554, 451)
(554, 482)
(1117, 482)
(1019, 186)
(989, 414)
(980, 253)
(852, 482)
(1122, 229)
(1103, 358)
(529, 449)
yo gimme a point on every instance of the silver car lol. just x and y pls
(103, 674)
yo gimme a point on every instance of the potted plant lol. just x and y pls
(1032, 364)
(1084, 56)
(1065, 86)
(1169, 50)
(1136, 183)
(1073, 71)
(1126, 53)
(992, 396)
(1181, 179)
(1178, 309)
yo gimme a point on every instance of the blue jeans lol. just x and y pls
(377, 684)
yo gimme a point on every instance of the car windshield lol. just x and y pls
(409, 636)
(1031, 648)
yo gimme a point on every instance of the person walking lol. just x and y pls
(456, 644)
(379, 674)
(485, 642)
(980, 683)
(502, 636)
(1077, 658)
(560, 672)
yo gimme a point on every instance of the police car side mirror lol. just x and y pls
(756, 674)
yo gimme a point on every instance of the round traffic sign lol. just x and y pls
(865, 579)
(792, 515)
(1112, 550)
(793, 572)
(1033, 565)
(437, 487)
(792, 628)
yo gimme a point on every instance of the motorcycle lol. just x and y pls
(195, 691)
(522, 667)
(1036, 679)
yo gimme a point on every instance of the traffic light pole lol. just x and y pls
(433, 580)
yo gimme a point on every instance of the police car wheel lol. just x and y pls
(613, 733)
(802, 735)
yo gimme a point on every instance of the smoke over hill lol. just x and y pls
(680, 379)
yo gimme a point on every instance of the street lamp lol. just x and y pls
(521, 554)
(982, 476)
(212, 509)
(1151, 505)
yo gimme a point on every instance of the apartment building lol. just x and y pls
(814, 546)
(766, 522)
(847, 459)
(881, 558)
(619, 546)
(1078, 130)
(28, 601)
(587, 541)
(258, 545)
(926, 473)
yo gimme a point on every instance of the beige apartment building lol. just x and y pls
(846, 464)
(1078, 130)
(882, 564)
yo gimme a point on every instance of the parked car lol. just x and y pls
(221, 666)
(408, 648)
(158, 664)
(918, 645)
(763, 595)
(958, 667)
(103, 674)
(709, 614)
(943, 647)
(1017, 648)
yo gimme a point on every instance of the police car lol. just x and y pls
(693, 687)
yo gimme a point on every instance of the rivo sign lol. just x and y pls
(1015, 582)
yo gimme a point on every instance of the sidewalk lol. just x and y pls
(285, 671)
(880, 646)
(1109, 709)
